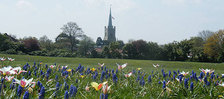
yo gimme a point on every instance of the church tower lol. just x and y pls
(110, 30)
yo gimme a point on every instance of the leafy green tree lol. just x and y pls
(106, 52)
(214, 46)
(95, 54)
(142, 49)
(31, 44)
(172, 51)
(62, 42)
(197, 51)
(114, 48)
(121, 44)
(4, 43)
(155, 51)
(10, 45)
(129, 51)
(136, 50)
(185, 47)
(86, 45)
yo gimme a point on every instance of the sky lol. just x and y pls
(161, 21)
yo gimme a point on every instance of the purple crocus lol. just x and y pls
(12, 85)
(138, 78)
(164, 84)
(94, 77)
(142, 82)
(169, 73)
(174, 72)
(71, 91)
(201, 75)
(35, 73)
(149, 79)
(2, 80)
(102, 76)
(47, 76)
(19, 90)
(107, 75)
(96, 73)
(48, 71)
(192, 86)
(205, 79)
(116, 71)
(66, 96)
(56, 77)
(57, 86)
(103, 96)
(112, 71)
(29, 73)
(76, 81)
(26, 95)
(42, 92)
(74, 91)
(114, 78)
(186, 83)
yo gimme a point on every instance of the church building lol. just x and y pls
(109, 34)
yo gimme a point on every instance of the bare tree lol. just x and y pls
(205, 34)
(73, 31)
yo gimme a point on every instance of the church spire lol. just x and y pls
(110, 20)
(110, 30)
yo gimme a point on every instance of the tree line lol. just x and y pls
(208, 46)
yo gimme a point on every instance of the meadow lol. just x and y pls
(81, 78)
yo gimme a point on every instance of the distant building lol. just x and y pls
(110, 31)
(99, 42)
(109, 34)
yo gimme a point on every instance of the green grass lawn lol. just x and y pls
(146, 65)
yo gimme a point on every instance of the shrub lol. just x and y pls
(11, 51)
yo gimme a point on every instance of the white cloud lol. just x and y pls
(23, 4)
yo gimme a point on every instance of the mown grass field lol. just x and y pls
(146, 65)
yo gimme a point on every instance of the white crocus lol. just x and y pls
(101, 65)
(64, 67)
(11, 59)
(5, 70)
(157, 65)
(222, 84)
(52, 66)
(24, 82)
(128, 75)
(106, 88)
(184, 73)
(207, 70)
(2, 59)
(121, 66)
(9, 78)
(17, 70)
(87, 88)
